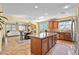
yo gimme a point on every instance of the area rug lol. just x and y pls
(61, 49)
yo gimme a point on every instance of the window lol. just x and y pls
(13, 26)
(43, 26)
(8, 27)
(66, 25)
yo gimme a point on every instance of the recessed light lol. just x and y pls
(35, 6)
(65, 7)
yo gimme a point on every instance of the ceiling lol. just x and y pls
(39, 10)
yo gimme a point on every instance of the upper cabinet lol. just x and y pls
(53, 25)
(50, 25)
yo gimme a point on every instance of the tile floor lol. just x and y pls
(18, 47)
(62, 48)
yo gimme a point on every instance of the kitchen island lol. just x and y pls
(42, 43)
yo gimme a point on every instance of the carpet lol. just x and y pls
(61, 49)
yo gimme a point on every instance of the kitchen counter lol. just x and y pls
(56, 30)
(42, 43)
(43, 35)
(64, 34)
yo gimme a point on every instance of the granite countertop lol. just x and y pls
(42, 35)
(62, 31)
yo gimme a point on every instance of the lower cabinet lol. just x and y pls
(68, 36)
(36, 46)
(45, 46)
(54, 40)
(61, 35)
(40, 46)
(50, 42)
(65, 36)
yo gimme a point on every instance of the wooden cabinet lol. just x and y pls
(44, 46)
(53, 25)
(61, 35)
(40, 46)
(54, 40)
(36, 46)
(50, 41)
(50, 25)
(65, 36)
(68, 36)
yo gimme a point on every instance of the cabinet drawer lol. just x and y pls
(68, 36)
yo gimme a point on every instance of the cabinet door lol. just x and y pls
(54, 39)
(50, 41)
(44, 45)
(36, 46)
(68, 36)
(61, 36)
(55, 24)
(50, 25)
